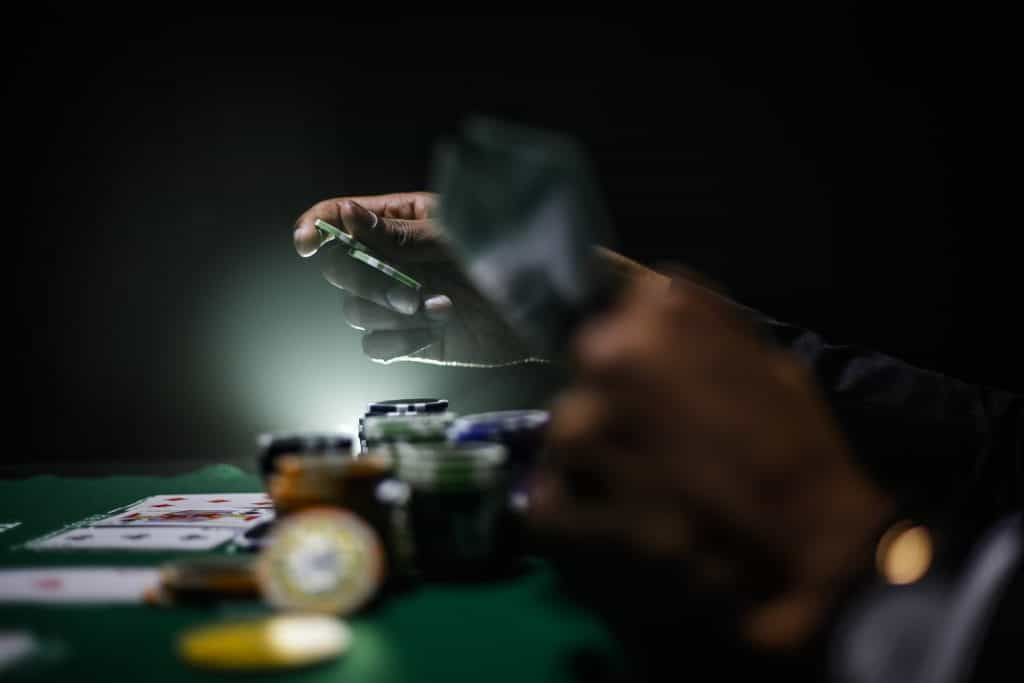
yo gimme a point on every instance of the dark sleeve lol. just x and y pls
(942, 445)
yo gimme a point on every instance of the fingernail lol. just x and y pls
(403, 299)
(438, 307)
(361, 213)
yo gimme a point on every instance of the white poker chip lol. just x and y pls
(321, 560)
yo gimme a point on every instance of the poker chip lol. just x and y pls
(305, 481)
(498, 425)
(361, 252)
(455, 507)
(521, 431)
(411, 427)
(396, 407)
(390, 271)
(265, 644)
(403, 406)
(321, 560)
(450, 466)
(340, 235)
(208, 579)
(275, 445)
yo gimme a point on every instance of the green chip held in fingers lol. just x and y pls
(361, 252)
(390, 271)
(340, 235)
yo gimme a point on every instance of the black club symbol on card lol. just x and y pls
(193, 537)
(135, 537)
(80, 537)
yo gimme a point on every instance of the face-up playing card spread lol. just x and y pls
(142, 538)
(203, 501)
(233, 519)
(229, 510)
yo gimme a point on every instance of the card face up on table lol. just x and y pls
(166, 522)
(76, 585)
(203, 501)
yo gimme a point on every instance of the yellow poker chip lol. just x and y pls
(269, 643)
(321, 560)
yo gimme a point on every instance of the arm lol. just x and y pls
(940, 443)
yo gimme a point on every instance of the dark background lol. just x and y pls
(838, 168)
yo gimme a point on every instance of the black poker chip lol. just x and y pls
(404, 406)
(274, 445)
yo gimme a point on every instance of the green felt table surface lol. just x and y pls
(510, 629)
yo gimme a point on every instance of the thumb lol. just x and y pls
(395, 238)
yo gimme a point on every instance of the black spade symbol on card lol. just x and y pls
(135, 537)
(193, 537)
(80, 537)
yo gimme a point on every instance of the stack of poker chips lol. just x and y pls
(385, 436)
(520, 431)
(399, 407)
(455, 506)
(342, 482)
(383, 431)
(203, 580)
(275, 445)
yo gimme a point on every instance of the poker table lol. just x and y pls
(514, 628)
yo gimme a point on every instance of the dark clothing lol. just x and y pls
(953, 456)
(950, 451)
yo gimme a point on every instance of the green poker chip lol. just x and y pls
(361, 252)
(390, 271)
(451, 466)
(408, 428)
(340, 235)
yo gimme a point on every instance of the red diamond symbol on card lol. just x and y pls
(50, 583)
(163, 505)
(219, 500)
(176, 498)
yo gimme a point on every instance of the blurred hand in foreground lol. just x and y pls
(688, 440)
(447, 322)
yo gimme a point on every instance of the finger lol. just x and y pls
(366, 315)
(438, 307)
(395, 238)
(388, 345)
(403, 205)
(359, 279)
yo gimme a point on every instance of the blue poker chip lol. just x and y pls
(405, 406)
(499, 425)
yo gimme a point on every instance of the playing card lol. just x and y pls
(523, 210)
(142, 538)
(15, 647)
(205, 517)
(76, 584)
(4, 526)
(203, 501)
